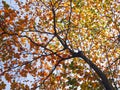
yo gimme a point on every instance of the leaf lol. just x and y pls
(8, 77)
(5, 4)
(2, 85)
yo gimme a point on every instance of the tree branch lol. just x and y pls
(51, 72)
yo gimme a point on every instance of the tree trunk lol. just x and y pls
(103, 77)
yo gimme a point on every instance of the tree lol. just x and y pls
(60, 44)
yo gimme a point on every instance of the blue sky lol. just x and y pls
(11, 3)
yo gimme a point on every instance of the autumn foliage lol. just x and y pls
(60, 44)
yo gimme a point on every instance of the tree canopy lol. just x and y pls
(60, 44)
